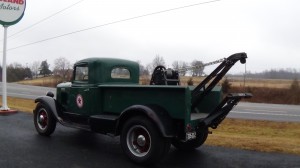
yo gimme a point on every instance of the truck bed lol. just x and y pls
(176, 100)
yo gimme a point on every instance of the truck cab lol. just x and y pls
(82, 95)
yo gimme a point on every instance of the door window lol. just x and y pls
(82, 73)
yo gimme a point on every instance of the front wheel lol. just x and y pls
(142, 142)
(44, 121)
(192, 144)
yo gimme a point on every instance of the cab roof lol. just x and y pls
(100, 70)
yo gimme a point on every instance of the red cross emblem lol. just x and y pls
(79, 101)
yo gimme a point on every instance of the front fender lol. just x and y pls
(51, 104)
(158, 115)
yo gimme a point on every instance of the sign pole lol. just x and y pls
(4, 78)
(11, 12)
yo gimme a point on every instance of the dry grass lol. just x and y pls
(262, 83)
(50, 81)
(265, 83)
(145, 80)
(25, 105)
(266, 136)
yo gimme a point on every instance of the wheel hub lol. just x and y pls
(42, 119)
(141, 140)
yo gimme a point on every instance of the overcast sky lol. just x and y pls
(267, 30)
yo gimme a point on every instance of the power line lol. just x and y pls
(114, 22)
(54, 14)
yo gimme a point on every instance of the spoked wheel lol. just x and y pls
(44, 120)
(142, 142)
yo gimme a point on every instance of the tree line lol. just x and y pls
(63, 69)
(274, 74)
(16, 72)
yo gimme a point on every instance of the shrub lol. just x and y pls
(226, 86)
(190, 82)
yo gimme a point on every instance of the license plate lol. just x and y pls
(190, 135)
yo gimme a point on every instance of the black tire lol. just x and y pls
(142, 142)
(192, 144)
(44, 121)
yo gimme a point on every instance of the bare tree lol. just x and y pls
(180, 65)
(143, 70)
(158, 60)
(149, 68)
(35, 68)
(175, 64)
(62, 67)
(198, 68)
(183, 65)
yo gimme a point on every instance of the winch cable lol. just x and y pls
(245, 73)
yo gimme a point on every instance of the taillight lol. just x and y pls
(188, 128)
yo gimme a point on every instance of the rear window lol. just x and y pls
(120, 73)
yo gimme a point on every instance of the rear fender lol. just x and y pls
(51, 104)
(158, 115)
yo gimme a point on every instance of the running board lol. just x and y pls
(104, 123)
(222, 110)
(75, 125)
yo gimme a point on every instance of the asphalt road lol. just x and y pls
(25, 91)
(261, 111)
(22, 147)
(256, 111)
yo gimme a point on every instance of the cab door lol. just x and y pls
(80, 91)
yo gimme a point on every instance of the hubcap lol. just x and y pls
(138, 141)
(42, 119)
(141, 140)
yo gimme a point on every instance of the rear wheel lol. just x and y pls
(44, 121)
(142, 142)
(192, 144)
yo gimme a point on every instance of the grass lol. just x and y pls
(265, 136)
(144, 80)
(25, 105)
(261, 83)
(50, 81)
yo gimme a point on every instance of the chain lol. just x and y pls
(200, 66)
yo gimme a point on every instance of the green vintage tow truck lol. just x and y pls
(104, 96)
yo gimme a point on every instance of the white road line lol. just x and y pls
(290, 115)
(266, 111)
(269, 106)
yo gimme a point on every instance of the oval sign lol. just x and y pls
(11, 11)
